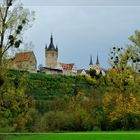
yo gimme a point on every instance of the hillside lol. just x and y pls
(51, 86)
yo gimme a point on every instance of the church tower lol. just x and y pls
(97, 61)
(91, 63)
(97, 67)
(51, 54)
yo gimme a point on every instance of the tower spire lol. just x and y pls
(97, 61)
(51, 46)
(91, 62)
(51, 39)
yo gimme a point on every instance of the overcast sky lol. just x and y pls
(82, 29)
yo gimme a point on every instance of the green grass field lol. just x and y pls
(79, 136)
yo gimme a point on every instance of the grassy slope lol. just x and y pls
(44, 86)
(80, 136)
(51, 86)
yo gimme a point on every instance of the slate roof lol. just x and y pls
(91, 62)
(51, 46)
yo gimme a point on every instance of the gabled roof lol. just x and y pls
(67, 66)
(23, 56)
(80, 71)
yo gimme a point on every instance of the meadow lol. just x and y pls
(79, 136)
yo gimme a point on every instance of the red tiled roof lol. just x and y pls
(67, 66)
(24, 56)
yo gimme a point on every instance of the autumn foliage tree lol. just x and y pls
(15, 102)
(122, 111)
(129, 56)
(134, 50)
(121, 103)
(14, 99)
(14, 20)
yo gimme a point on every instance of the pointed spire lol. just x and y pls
(97, 61)
(91, 62)
(56, 47)
(51, 39)
(51, 46)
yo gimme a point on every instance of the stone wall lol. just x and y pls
(51, 58)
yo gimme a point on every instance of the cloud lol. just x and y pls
(80, 31)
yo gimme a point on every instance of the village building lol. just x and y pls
(81, 72)
(68, 69)
(25, 61)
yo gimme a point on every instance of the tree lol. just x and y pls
(115, 57)
(94, 74)
(122, 58)
(15, 101)
(121, 101)
(134, 51)
(122, 111)
(14, 20)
